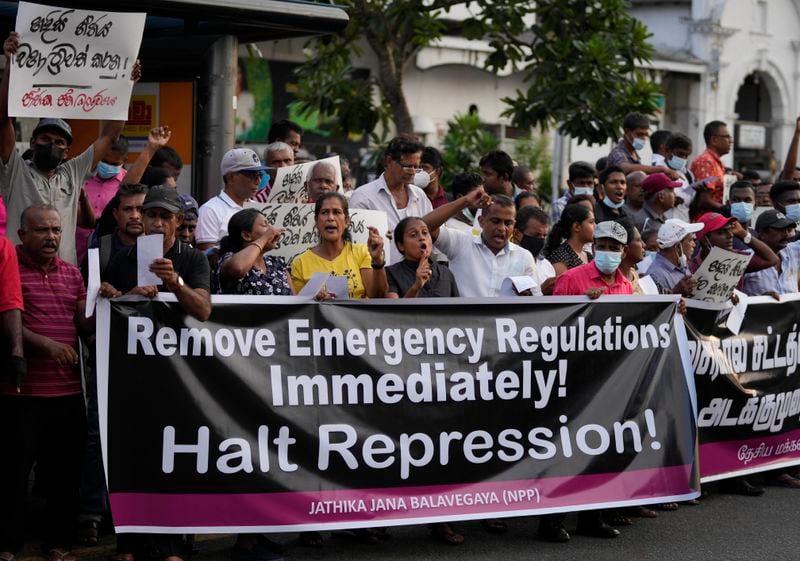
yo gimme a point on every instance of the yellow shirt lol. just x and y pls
(349, 263)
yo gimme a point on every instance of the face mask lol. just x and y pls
(264, 181)
(742, 212)
(792, 212)
(638, 143)
(532, 244)
(107, 171)
(422, 179)
(584, 191)
(650, 253)
(611, 204)
(607, 261)
(676, 163)
(47, 156)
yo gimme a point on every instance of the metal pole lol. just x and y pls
(216, 113)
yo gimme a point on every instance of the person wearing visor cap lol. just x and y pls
(602, 275)
(242, 176)
(775, 229)
(184, 271)
(49, 177)
(670, 267)
(719, 231)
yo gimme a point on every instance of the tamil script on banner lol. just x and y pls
(300, 233)
(74, 64)
(291, 182)
(748, 387)
(719, 274)
(298, 415)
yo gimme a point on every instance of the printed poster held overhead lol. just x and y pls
(73, 64)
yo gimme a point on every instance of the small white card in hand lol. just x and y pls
(314, 284)
(735, 318)
(514, 286)
(93, 286)
(338, 286)
(648, 285)
(148, 249)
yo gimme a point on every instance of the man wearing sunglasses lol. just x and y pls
(242, 175)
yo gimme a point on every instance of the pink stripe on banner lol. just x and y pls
(399, 503)
(745, 455)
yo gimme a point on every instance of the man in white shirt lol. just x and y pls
(241, 171)
(480, 262)
(394, 192)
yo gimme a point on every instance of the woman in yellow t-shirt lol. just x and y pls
(337, 254)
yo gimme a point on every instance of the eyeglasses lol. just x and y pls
(407, 168)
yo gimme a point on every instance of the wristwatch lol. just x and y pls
(748, 238)
(179, 283)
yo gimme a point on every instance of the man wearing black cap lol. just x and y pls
(183, 269)
(774, 229)
(48, 178)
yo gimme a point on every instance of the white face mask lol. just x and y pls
(422, 179)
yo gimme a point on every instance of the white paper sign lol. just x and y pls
(736, 317)
(74, 64)
(300, 233)
(719, 274)
(290, 182)
(148, 249)
(93, 286)
(514, 286)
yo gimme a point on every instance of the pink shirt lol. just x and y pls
(100, 192)
(576, 281)
(3, 219)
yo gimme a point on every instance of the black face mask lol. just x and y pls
(532, 244)
(47, 156)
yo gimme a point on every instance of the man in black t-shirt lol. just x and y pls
(183, 269)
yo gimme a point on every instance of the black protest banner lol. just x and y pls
(748, 388)
(277, 414)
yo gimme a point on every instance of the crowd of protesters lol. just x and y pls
(619, 220)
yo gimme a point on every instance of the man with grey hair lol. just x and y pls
(321, 179)
(276, 155)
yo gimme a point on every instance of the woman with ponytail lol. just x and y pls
(564, 246)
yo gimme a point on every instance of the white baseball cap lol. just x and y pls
(240, 159)
(674, 230)
(611, 229)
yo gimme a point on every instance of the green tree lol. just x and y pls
(579, 60)
(464, 144)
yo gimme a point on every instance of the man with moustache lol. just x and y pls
(127, 212)
(43, 421)
(242, 175)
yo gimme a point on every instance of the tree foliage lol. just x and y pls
(578, 58)
(464, 144)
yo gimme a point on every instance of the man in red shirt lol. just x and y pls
(709, 164)
(602, 275)
(11, 314)
(44, 422)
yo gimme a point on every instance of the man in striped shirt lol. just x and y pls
(44, 421)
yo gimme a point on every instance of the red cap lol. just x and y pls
(656, 182)
(712, 221)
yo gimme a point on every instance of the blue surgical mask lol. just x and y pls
(611, 204)
(792, 212)
(638, 143)
(676, 163)
(742, 212)
(264, 181)
(107, 171)
(584, 191)
(607, 261)
(650, 253)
